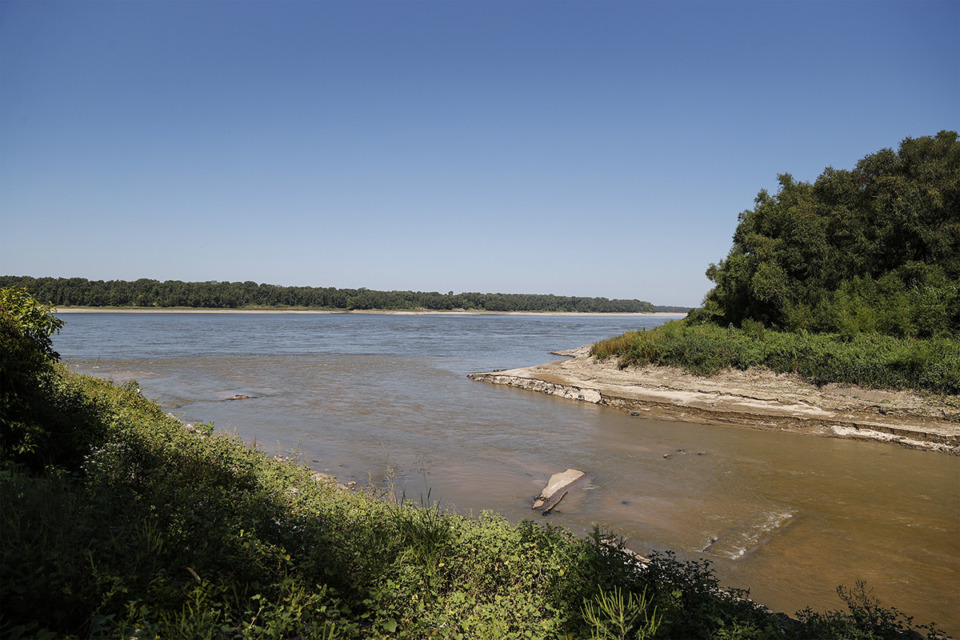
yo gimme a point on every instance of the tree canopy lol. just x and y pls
(875, 249)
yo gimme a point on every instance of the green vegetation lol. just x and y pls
(872, 250)
(139, 527)
(854, 278)
(867, 360)
(149, 294)
(38, 426)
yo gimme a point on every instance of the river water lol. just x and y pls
(384, 399)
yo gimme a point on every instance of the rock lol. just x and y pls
(239, 396)
(559, 485)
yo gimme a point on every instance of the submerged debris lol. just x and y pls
(558, 487)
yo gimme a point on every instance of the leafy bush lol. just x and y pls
(867, 618)
(43, 418)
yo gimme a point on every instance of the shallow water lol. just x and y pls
(384, 399)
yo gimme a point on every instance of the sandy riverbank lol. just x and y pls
(755, 398)
(420, 312)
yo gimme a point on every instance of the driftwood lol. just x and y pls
(555, 503)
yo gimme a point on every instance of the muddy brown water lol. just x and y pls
(385, 400)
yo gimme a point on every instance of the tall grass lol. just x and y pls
(868, 360)
(165, 533)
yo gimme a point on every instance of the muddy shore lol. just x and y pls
(756, 398)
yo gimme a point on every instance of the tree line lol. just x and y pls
(146, 293)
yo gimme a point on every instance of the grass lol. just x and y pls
(166, 533)
(874, 361)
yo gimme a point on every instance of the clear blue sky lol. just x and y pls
(576, 148)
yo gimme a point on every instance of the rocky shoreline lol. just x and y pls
(757, 398)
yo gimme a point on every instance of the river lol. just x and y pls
(384, 399)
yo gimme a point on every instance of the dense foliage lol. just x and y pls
(875, 249)
(40, 421)
(146, 293)
(867, 360)
(172, 532)
(854, 279)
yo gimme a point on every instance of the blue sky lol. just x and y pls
(577, 148)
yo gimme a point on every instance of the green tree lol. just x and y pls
(45, 418)
(26, 370)
(873, 249)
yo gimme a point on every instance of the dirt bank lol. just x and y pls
(756, 398)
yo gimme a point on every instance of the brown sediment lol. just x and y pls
(756, 398)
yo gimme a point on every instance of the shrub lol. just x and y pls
(44, 420)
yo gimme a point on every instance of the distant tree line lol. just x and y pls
(875, 249)
(146, 293)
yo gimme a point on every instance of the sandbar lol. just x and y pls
(756, 398)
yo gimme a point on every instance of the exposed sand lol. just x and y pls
(757, 398)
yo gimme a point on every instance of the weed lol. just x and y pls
(611, 617)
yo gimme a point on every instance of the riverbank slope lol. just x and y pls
(756, 398)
